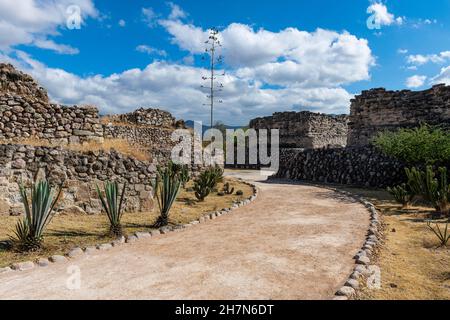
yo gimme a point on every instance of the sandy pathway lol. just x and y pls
(294, 242)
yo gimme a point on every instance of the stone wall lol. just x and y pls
(306, 129)
(26, 112)
(359, 166)
(146, 117)
(378, 110)
(155, 141)
(81, 173)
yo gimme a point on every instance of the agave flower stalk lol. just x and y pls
(112, 204)
(38, 214)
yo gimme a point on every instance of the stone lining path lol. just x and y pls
(293, 242)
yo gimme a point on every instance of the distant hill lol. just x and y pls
(190, 124)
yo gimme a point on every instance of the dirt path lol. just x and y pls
(293, 242)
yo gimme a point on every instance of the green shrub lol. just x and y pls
(184, 176)
(167, 187)
(112, 204)
(204, 184)
(402, 194)
(240, 193)
(421, 146)
(29, 231)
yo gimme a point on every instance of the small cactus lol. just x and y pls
(227, 189)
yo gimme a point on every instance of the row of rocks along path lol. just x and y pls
(293, 242)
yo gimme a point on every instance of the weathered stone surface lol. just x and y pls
(73, 210)
(74, 253)
(58, 259)
(143, 235)
(362, 269)
(132, 239)
(352, 283)
(355, 275)
(379, 110)
(165, 230)
(43, 262)
(346, 291)
(363, 261)
(340, 298)
(23, 266)
(104, 246)
(118, 242)
(361, 166)
(155, 232)
(306, 129)
(90, 250)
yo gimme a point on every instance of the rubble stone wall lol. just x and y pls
(359, 166)
(378, 110)
(306, 129)
(80, 172)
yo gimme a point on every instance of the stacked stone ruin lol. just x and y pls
(360, 163)
(306, 129)
(26, 113)
(378, 110)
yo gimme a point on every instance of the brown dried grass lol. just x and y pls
(120, 145)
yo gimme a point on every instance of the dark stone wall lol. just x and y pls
(359, 166)
(379, 110)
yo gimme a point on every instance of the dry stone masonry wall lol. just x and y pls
(359, 166)
(26, 112)
(306, 129)
(378, 110)
(146, 117)
(80, 172)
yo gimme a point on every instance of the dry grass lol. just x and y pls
(120, 145)
(412, 264)
(68, 231)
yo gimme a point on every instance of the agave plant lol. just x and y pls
(184, 175)
(167, 187)
(402, 194)
(217, 173)
(112, 204)
(442, 235)
(29, 231)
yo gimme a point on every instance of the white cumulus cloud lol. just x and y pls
(32, 22)
(415, 81)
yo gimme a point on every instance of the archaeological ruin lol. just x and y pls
(306, 130)
(359, 163)
(378, 110)
(27, 113)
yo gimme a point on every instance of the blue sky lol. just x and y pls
(279, 55)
